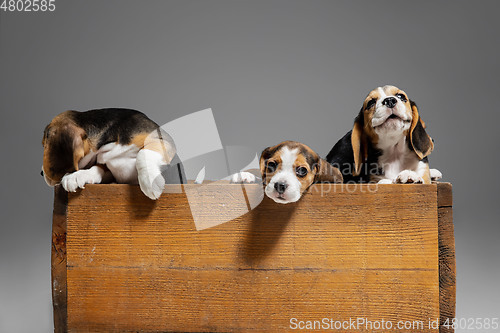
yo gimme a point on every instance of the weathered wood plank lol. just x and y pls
(447, 269)
(445, 195)
(58, 258)
(138, 265)
(236, 300)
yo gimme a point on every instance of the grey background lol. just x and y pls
(271, 70)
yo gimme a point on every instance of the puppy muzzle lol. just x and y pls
(280, 187)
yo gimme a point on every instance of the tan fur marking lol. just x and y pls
(359, 148)
(308, 180)
(154, 143)
(139, 139)
(427, 175)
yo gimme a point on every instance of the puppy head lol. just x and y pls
(387, 115)
(64, 145)
(289, 168)
(386, 111)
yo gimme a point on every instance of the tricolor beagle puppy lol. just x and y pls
(101, 146)
(288, 170)
(388, 143)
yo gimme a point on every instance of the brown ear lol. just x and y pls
(421, 142)
(359, 147)
(79, 143)
(327, 173)
(72, 142)
(63, 149)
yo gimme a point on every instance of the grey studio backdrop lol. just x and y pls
(270, 70)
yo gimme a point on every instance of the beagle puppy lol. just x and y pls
(288, 170)
(388, 143)
(101, 146)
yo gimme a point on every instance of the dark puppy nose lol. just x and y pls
(41, 173)
(390, 102)
(280, 187)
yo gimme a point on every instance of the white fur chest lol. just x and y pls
(120, 160)
(396, 157)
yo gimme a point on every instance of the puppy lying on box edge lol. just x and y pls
(388, 143)
(288, 170)
(106, 145)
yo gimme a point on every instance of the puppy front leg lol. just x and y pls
(158, 150)
(423, 172)
(151, 181)
(420, 176)
(435, 174)
(95, 175)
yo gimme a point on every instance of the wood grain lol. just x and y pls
(447, 265)
(58, 258)
(134, 265)
(445, 195)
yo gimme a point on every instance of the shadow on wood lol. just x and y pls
(265, 231)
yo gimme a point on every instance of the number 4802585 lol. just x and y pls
(28, 5)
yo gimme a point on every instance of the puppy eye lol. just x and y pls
(371, 103)
(401, 97)
(301, 171)
(271, 166)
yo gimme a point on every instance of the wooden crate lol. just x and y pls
(123, 263)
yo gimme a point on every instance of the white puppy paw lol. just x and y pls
(435, 174)
(73, 181)
(409, 177)
(243, 177)
(148, 164)
(385, 181)
(152, 189)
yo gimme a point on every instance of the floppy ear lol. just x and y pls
(64, 147)
(73, 143)
(421, 142)
(327, 173)
(359, 147)
(80, 144)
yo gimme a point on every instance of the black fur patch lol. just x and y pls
(113, 125)
(341, 156)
